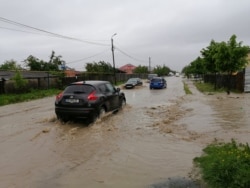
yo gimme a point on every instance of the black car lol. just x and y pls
(88, 100)
(132, 82)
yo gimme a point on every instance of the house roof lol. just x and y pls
(127, 66)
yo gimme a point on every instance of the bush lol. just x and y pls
(225, 165)
(19, 82)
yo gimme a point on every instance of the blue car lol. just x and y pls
(158, 83)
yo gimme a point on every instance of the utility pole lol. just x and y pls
(149, 64)
(113, 56)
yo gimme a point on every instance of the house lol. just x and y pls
(128, 68)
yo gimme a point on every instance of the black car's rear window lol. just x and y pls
(79, 89)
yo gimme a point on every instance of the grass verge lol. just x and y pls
(186, 89)
(6, 99)
(208, 87)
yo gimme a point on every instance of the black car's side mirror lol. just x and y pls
(118, 89)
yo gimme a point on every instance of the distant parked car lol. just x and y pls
(88, 100)
(158, 83)
(132, 82)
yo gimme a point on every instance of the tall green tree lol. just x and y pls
(198, 66)
(209, 56)
(232, 56)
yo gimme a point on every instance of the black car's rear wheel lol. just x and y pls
(102, 112)
(123, 103)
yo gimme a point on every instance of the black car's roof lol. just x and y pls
(90, 82)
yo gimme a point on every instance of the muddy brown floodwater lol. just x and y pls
(150, 143)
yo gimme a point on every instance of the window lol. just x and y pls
(110, 88)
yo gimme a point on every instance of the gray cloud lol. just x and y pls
(170, 32)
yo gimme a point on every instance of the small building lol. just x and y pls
(128, 68)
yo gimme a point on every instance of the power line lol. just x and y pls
(131, 57)
(12, 29)
(48, 32)
(75, 61)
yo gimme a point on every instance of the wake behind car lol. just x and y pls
(158, 83)
(88, 100)
(132, 82)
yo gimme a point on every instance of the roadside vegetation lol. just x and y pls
(219, 58)
(208, 88)
(225, 165)
(34, 94)
(186, 89)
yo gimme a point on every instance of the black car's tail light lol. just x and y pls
(59, 96)
(92, 96)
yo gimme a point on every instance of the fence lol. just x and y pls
(8, 86)
(236, 82)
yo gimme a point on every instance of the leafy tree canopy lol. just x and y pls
(222, 56)
(36, 64)
(100, 67)
(141, 69)
(162, 70)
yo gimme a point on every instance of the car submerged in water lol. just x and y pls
(158, 83)
(88, 100)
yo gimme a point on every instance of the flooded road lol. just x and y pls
(152, 140)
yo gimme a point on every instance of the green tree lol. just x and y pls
(100, 67)
(55, 61)
(231, 57)
(141, 69)
(33, 63)
(209, 56)
(162, 70)
(198, 66)
(36, 64)
(10, 65)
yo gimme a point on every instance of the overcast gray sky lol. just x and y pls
(170, 32)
